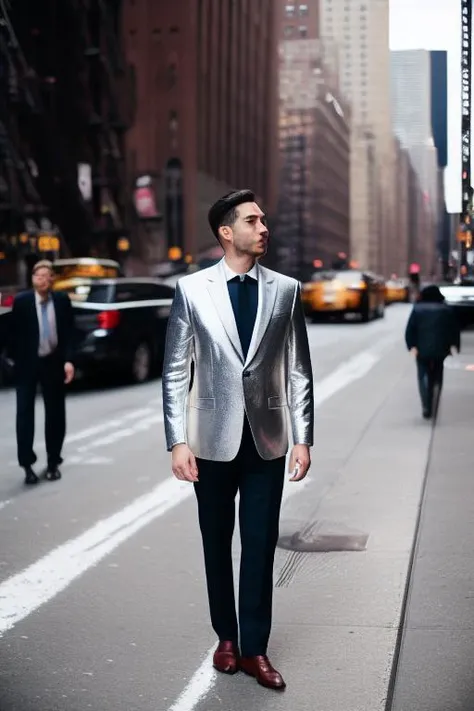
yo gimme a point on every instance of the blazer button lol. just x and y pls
(247, 374)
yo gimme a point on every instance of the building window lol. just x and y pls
(303, 31)
(289, 10)
(173, 120)
(303, 10)
(288, 30)
(174, 30)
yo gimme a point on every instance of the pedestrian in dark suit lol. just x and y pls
(243, 327)
(42, 326)
(432, 334)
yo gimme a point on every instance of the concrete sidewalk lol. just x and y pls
(435, 666)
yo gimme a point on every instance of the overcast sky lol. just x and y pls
(436, 24)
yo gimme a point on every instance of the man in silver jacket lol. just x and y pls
(242, 328)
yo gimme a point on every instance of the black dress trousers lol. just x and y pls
(49, 373)
(260, 485)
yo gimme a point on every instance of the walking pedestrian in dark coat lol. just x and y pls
(432, 334)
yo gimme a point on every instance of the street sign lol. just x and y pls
(48, 243)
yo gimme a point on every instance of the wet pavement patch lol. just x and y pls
(324, 537)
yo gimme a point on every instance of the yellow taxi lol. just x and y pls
(348, 291)
(70, 271)
(396, 291)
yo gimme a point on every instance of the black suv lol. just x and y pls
(120, 325)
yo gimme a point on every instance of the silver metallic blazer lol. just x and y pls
(273, 381)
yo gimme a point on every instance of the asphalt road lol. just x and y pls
(102, 596)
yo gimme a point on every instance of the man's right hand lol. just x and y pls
(183, 463)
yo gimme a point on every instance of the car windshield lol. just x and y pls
(346, 277)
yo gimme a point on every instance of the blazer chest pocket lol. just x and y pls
(204, 403)
(276, 401)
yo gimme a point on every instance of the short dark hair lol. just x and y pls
(431, 294)
(224, 211)
(229, 218)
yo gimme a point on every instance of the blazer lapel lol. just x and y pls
(219, 292)
(267, 291)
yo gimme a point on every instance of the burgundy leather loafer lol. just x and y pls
(260, 667)
(226, 658)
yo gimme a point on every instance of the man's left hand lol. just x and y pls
(68, 373)
(300, 456)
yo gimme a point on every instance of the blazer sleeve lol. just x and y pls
(179, 348)
(68, 324)
(300, 376)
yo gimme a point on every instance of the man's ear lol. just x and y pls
(225, 233)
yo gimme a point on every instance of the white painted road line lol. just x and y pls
(347, 373)
(108, 425)
(140, 426)
(199, 686)
(98, 429)
(103, 427)
(25, 592)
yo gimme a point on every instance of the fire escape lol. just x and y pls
(64, 119)
(21, 207)
(108, 91)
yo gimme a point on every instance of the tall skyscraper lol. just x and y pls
(313, 206)
(360, 30)
(411, 93)
(439, 123)
(439, 104)
(411, 114)
(205, 112)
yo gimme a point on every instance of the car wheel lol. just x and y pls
(141, 363)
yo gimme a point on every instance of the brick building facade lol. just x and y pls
(206, 111)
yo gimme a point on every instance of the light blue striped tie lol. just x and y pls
(46, 330)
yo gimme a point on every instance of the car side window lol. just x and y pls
(143, 292)
(126, 292)
(162, 291)
(147, 291)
